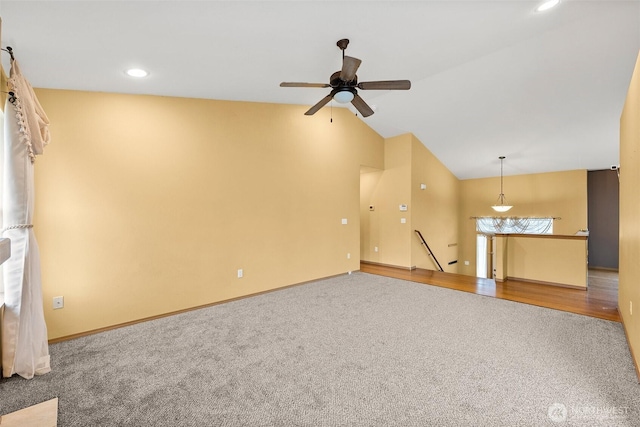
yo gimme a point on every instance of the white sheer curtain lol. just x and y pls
(25, 349)
(493, 225)
(1, 226)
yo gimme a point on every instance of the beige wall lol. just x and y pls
(147, 205)
(386, 191)
(369, 219)
(556, 194)
(3, 88)
(433, 211)
(546, 259)
(629, 280)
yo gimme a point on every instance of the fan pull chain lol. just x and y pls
(331, 109)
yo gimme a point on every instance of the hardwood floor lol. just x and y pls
(599, 300)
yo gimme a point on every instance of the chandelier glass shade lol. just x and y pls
(501, 205)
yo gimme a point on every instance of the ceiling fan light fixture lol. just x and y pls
(547, 5)
(137, 72)
(344, 96)
(500, 206)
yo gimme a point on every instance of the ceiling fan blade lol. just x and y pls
(297, 84)
(361, 106)
(319, 105)
(349, 67)
(385, 85)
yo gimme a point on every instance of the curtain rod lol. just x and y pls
(9, 50)
(12, 95)
(516, 217)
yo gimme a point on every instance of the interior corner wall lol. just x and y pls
(629, 269)
(369, 218)
(387, 190)
(552, 194)
(148, 205)
(434, 210)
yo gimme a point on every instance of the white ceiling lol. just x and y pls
(489, 78)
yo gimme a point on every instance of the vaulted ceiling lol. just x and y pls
(489, 78)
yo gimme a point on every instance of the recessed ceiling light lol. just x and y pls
(547, 5)
(137, 72)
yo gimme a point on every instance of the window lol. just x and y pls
(493, 225)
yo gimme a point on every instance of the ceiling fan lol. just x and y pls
(344, 85)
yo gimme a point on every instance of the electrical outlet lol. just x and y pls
(631, 308)
(348, 256)
(240, 273)
(58, 302)
(466, 263)
(375, 249)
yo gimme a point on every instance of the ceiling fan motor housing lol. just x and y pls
(336, 81)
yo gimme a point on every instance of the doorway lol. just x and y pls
(603, 212)
(485, 256)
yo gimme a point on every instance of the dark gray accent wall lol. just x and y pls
(604, 205)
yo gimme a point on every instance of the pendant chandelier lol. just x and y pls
(501, 205)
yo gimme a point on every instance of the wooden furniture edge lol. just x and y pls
(43, 414)
(546, 236)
